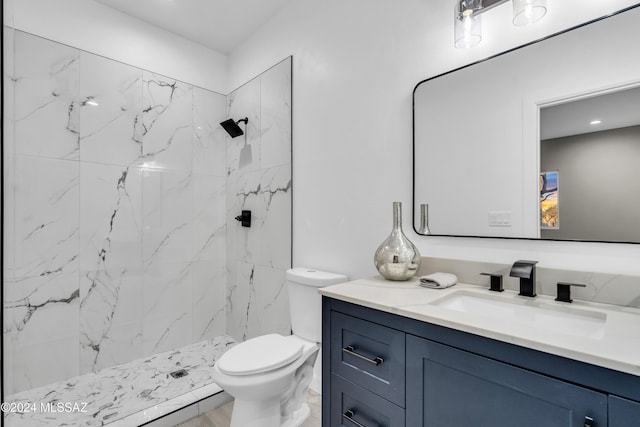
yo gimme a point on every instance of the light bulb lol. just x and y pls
(527, 12)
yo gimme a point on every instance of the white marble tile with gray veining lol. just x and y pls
(248, 197)
(111, 265)
(167, 122)
(167, 257)
(243, 313)
(275, 241)
(41, 297)
(44, 321)
(209, 298)
(166, 216)
(110, 111)
(243, 152)
(46, 216)
(209, 217)
(167, 307)
(256, 294)
(46, 98)
(210, 140)
(209, 256)
(273, 297)
(121, 393)
(275, 95)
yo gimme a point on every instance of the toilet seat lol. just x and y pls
(261, 354)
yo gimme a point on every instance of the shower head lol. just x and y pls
(232, 128)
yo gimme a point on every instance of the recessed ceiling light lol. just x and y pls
(595, 122)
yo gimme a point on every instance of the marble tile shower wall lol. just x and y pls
(259, 179)
(117, 219)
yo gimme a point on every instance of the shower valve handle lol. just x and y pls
(245, 218)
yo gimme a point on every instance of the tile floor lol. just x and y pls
(221, 417)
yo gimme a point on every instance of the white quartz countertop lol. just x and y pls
(616, 346)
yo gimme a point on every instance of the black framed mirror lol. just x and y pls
(479, 163)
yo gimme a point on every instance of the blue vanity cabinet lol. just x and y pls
(367, 373)
(370, 355)
(623, 412)
(355, 406)
(456, 388)
(434, 376)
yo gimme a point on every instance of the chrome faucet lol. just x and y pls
(526, 271)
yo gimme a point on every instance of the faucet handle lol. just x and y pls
(564, 291)
(495, 283)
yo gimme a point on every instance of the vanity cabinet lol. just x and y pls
(451, 387)
(368, 372)
(370, 355)
(386, 370)
(623, 412)
(356, 406)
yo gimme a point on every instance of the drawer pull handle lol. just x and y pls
(348, 415)
(352, 351)
(588, 422)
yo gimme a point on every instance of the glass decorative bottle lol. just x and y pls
(397, 258)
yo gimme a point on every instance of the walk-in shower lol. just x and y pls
(120, 245)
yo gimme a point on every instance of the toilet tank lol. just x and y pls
(305, 303)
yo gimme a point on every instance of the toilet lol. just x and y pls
(269, 375)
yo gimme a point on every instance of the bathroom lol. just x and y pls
(354, 66)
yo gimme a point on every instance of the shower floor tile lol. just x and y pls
(130, 394)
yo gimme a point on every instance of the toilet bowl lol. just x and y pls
(269, 375)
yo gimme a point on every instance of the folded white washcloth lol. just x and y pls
(438, 280)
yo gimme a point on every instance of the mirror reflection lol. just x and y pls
(500, 148)
(590, 168)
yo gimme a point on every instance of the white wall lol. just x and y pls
(93, 27)
(356, 63)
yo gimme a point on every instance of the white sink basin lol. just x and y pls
(558, 317)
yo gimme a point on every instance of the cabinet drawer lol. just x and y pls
(353, 406)
(369, 355)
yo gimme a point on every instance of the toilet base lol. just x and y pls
(316, 381)
(299, 417)
(265, 414)
(257, 413)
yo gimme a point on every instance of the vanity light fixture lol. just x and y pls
(468, 24)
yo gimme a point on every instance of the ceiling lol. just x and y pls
(221, 25)
(613, 110)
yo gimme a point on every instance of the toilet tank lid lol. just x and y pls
(312, 277)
